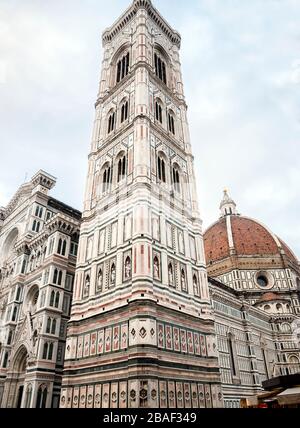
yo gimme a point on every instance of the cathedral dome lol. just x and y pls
(237, 236)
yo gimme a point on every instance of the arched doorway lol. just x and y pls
(19, 370)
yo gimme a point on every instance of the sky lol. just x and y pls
(241, 70)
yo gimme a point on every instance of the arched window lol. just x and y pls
(161, 169)
(171, 123)
(158, 111)
(53, 328)
(111, 122)
(41, 400)
(107, 178)
(176, 179)
(232, 355)
(124, 111)
(122, 166)
(48, 325)
(279, 308)
(45, 351)
(123, 67)
(52, 298)
(57, 299)
(160, 68)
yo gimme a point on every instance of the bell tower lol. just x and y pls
(141, 332)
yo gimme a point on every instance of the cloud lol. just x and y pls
(241, 70)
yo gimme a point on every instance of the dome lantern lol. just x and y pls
(227, 206)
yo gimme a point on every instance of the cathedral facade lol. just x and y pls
(162, 315)
(38, 247)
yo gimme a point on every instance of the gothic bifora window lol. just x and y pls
(123, 67)
(160, 68)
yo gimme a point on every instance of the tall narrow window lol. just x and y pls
(122, 168)
(52, 298)
(23, 267)
(171, 123)
(55, 276)
(231, 354)
(106, 180)
(53, 328)
(5, 360)
(9, 337)
(48, 325)
(176, 180)
(57, 299)
(158, 112)
(50, 353)
(123, 67)
(45, 351)
(124, 112)
(59, 281)
(59, 246)
(160, 68)
(14, 317)
(111, 122)
(161, 166)
(64, 248)
(18, 294)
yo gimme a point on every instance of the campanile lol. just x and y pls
(141, 332)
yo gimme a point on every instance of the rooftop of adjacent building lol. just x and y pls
(240, 236)
(41, 182)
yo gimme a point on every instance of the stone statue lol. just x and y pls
(100, 280)
(170, 275)
(128, 268)
(183, 281)
(113, 275)
(156, 268)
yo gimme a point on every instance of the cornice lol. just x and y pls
(111, 32)
(63, 223)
